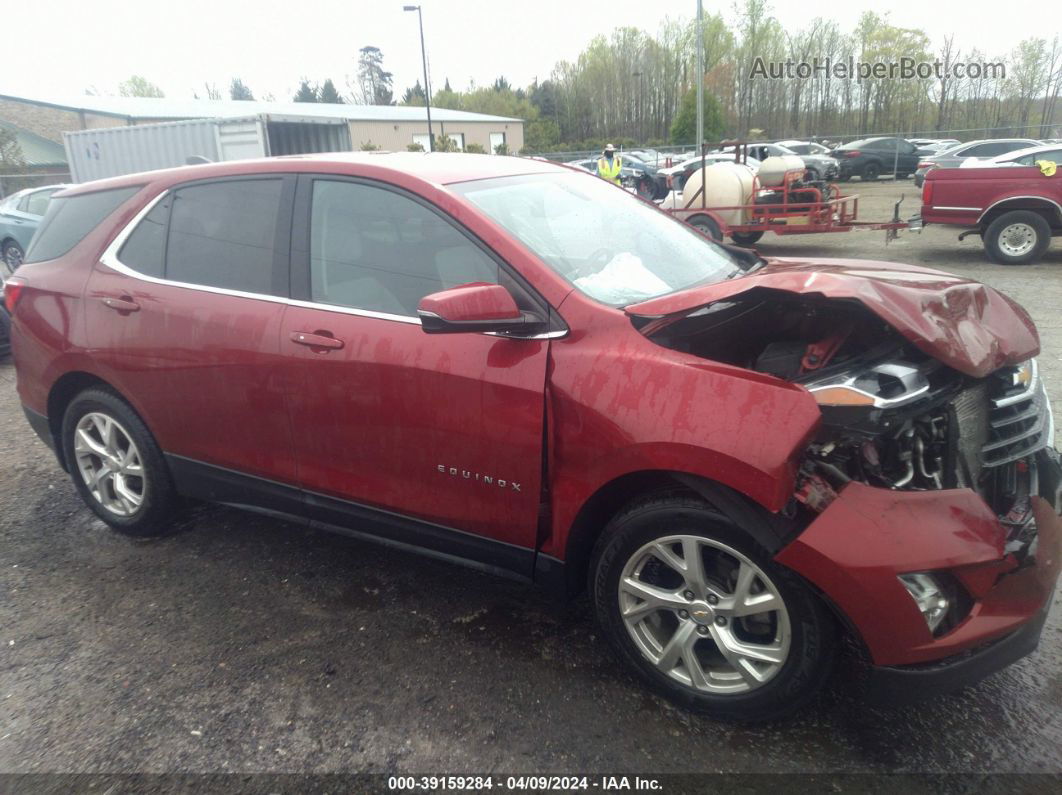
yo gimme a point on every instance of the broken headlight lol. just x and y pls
(881, 386)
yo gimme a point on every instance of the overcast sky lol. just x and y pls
(61, 47)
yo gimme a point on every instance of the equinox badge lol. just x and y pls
(489, 480)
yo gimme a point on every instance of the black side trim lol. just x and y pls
(217, 484)
(900, 685)
(40, 426)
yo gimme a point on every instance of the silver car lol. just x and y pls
(1028, 157)
(981, 150)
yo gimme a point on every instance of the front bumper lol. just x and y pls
(857, 547)
(903, 684)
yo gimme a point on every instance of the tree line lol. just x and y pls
(635, 87)
(631, 86)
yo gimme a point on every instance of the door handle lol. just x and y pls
(121, 304)
(316, 340)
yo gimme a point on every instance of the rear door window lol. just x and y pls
(68, 220)
(38, 202)
(224, 234)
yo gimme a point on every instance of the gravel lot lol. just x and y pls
(250, 644)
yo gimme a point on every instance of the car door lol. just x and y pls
(907, 163)
(446, 429)
(183, 316)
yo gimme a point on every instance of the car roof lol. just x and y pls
(438, 168)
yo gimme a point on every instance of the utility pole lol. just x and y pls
(424, 61)
(700, 75)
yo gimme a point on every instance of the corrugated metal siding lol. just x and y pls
(299, 138)
(96, 154)
(239, 139)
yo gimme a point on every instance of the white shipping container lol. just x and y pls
(113, 151)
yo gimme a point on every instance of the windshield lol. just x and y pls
(612, 246)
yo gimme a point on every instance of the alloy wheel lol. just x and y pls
(110, 463)
(12, 259)
(704, 614)
(1017, 239)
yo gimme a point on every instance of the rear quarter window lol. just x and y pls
(68, 220)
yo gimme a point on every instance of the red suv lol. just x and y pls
(513, 364)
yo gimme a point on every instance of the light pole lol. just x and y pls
(700, 76)
(424, 61)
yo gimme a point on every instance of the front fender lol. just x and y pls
(622, 404)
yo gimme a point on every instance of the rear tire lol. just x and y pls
(736, 635)
(706, 225)
(871, 171)
(1017, 238)
(116, 465)
(746, 238)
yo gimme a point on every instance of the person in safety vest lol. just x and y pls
(609, 165)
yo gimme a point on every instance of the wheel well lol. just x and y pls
(69, 386)
(769, 530)
(1049, 211)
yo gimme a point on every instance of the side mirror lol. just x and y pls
(474, 307)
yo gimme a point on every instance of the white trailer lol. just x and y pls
(113, 151)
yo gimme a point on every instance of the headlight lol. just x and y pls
(928, 594)
(884, 385)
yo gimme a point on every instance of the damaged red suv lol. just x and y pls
(506, 362)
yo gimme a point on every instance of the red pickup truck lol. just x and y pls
(1015, 210)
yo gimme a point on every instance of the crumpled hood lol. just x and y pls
(962, 323)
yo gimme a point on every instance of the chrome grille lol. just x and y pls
(1018, 418)
(971, 409)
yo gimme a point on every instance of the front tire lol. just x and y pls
(116, 465)
(701, 612)
(1017, 238)
(12, 256)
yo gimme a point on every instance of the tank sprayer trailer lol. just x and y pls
(730, 199)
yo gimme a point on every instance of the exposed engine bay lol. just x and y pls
(893, 417)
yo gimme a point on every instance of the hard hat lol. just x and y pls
(610, 148)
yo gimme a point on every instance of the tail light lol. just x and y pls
(927, 191)
(670, 182)
(853, 153)
(12, 290)
(926, 165)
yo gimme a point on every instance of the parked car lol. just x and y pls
(970, 151)
(5, 332)
(819, 167)
(1024, 157)
(678, 174)
(742, 458)
(869, 158)
(1015, 210)
(20, 213)
(805, 147)
(933, 143)
(646, 180)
